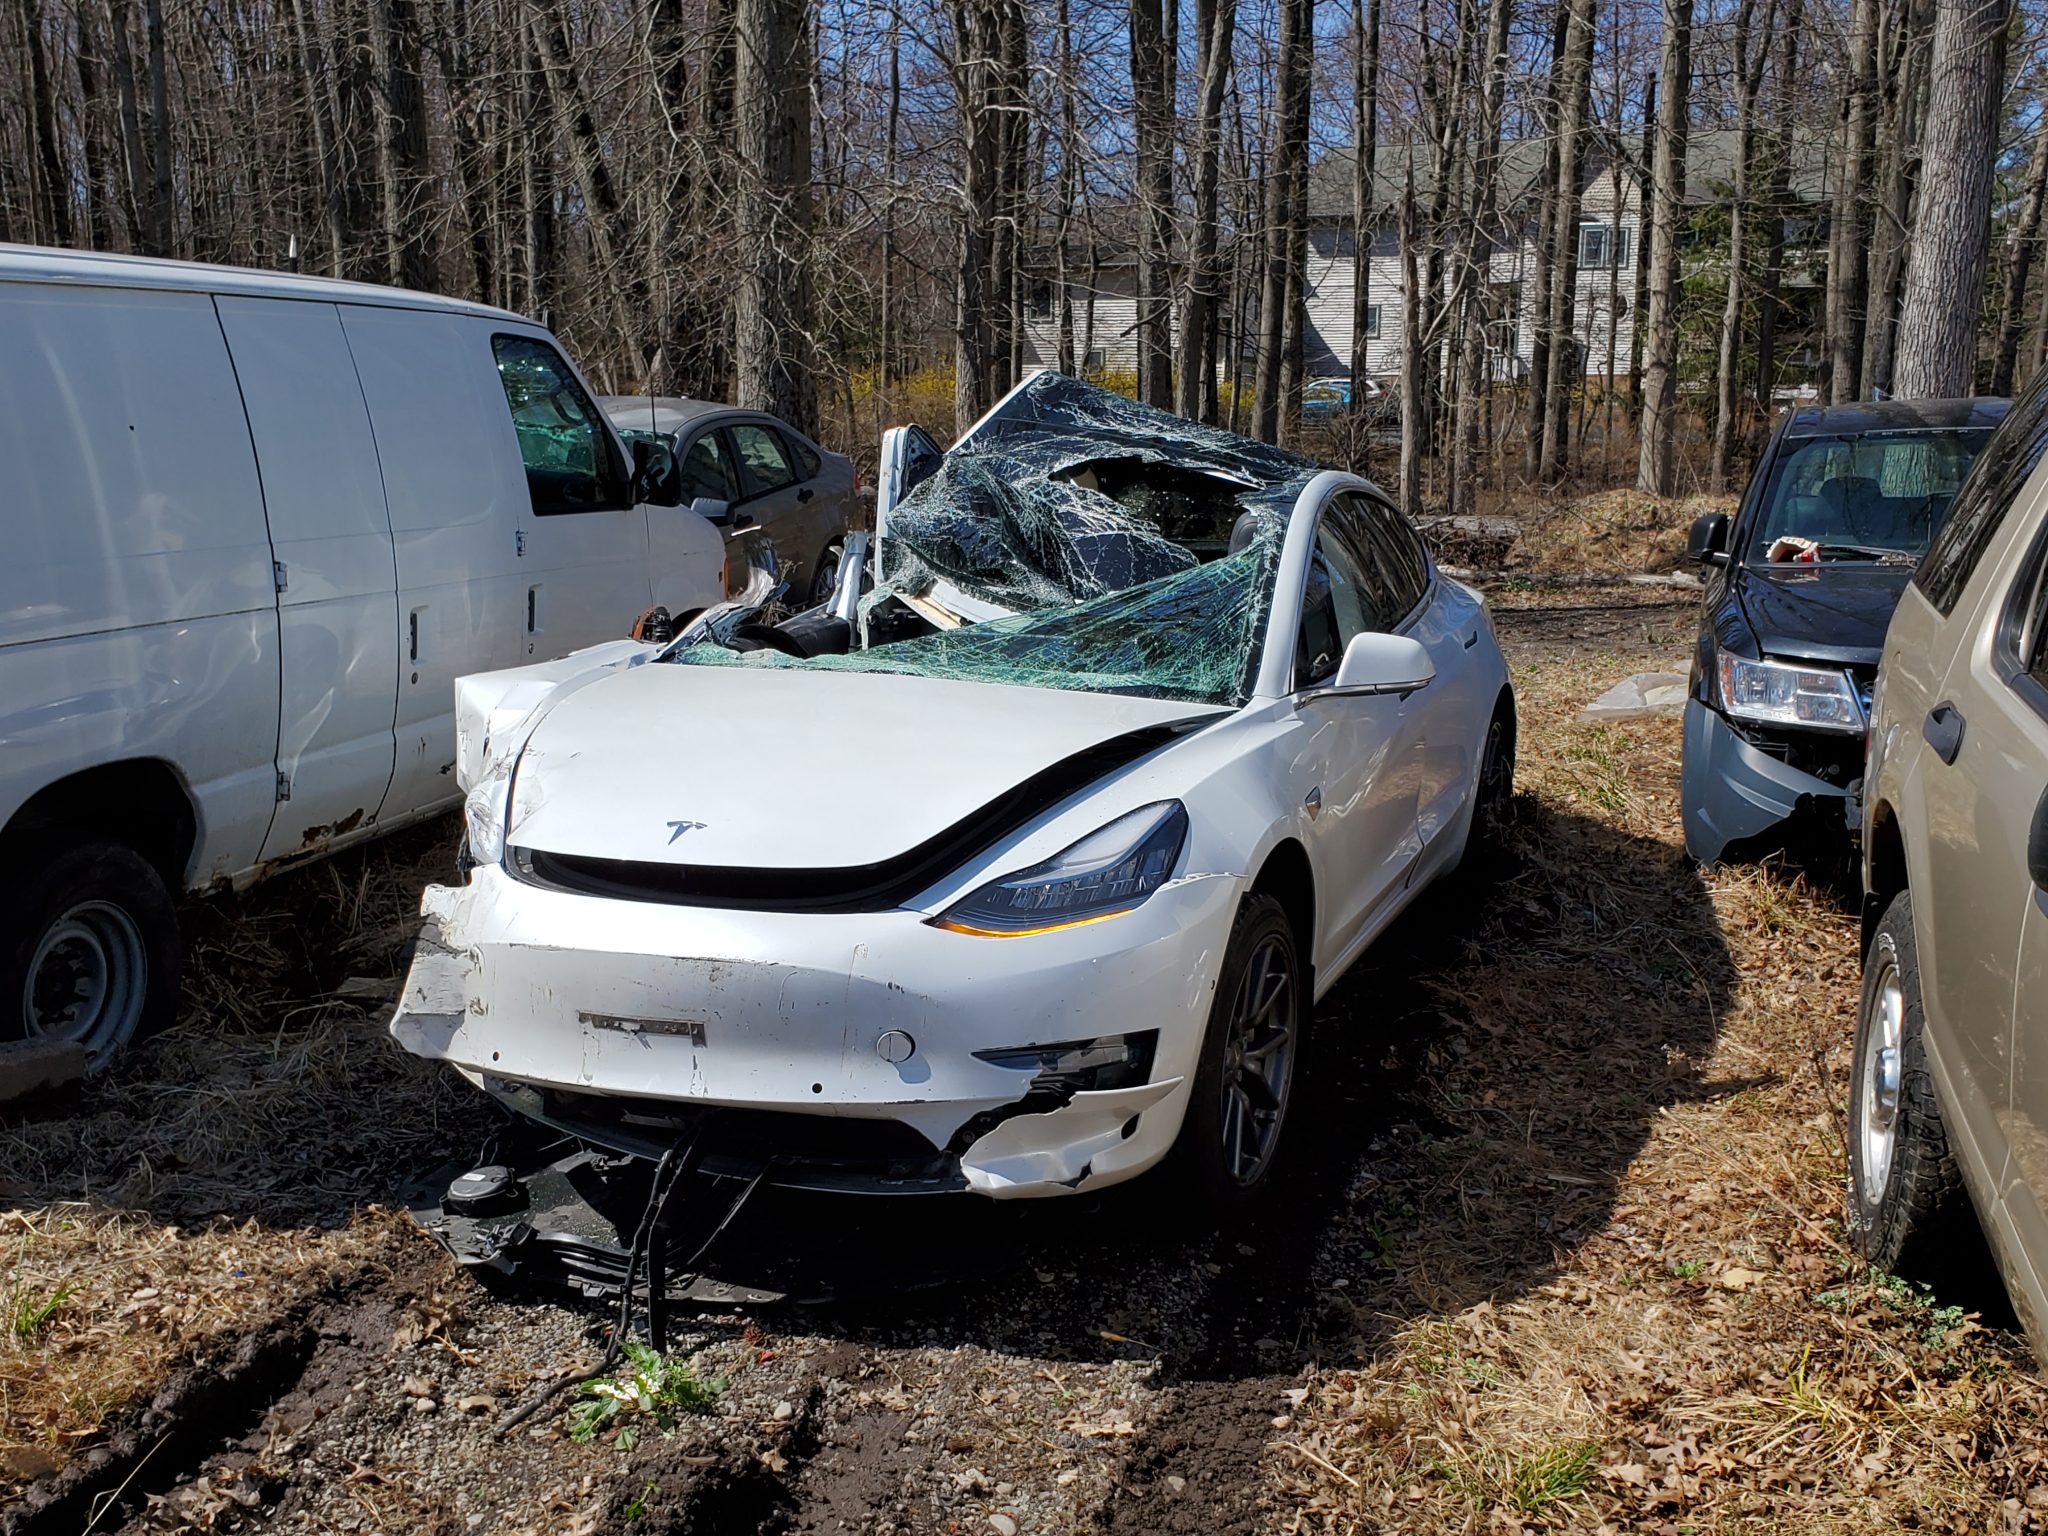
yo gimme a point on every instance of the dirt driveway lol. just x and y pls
(1560, 1248)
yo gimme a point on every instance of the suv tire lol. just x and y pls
(1906, 1197)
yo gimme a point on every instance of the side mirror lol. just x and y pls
(712, 510)
(1708, 540)
(655, 481)
(1376, 663)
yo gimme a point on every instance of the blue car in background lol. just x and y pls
(1333, 397)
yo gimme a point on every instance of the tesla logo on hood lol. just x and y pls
(677, 828)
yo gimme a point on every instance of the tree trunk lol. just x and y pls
(1727, 374)
(1292, 69)
(1537, 304)
(1640, 306)
(1215, 29)
(1848, 293)
(325, 148)
(401, 142)
(160, 220)
(1412, 424)
(1654, 474)
(2020, 241)
(52, 185)
(133, 155)
(1777, 198)
(1945, 271)
(1151, 84)
(1564, 372)
(1365, 138)
(772, 346)
(974, 40)
(1475, 381)
(536, 187)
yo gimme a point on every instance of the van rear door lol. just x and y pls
(330, 534)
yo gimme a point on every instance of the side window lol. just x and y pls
(707, 470)
(1987, 494)
(803, 456)
(1400, 566)
(571, 465)
(760, 450)
(1338, 604)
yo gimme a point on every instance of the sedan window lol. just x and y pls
(707, 470)
(761, 452)
(1338, 604)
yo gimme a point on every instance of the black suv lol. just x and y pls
(1800, 587)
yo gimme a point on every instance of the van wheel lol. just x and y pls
(88, 950)
(1237, 1105)
(1906, 1199)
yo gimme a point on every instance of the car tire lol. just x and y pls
(88, 948)
(825, 573)
(1245, 1077)
(1493, 793)
(1906, 1198)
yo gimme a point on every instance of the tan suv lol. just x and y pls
(1950, 1087)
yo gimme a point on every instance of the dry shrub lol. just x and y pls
(1622, 532)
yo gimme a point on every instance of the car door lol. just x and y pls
(582, 541)
(1363, 835)
(337, 597)
(1447, 620)
(910, 457)
(771, 498)
(2014, 737)
(1946, 680)
(704, 470)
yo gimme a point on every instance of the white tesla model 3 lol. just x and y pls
(1018, 873)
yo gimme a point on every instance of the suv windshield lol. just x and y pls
(1873, 496)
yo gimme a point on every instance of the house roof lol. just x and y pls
(1710, 160)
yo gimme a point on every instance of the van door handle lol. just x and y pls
(1471, 639)
(1943, 731)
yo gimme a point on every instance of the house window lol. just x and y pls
(1041, 301)
(1602, 246)
(1372, 322)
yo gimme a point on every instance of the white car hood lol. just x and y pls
(780, 768)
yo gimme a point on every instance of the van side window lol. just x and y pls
(571, 465)
(1986, 495)
(761, 452)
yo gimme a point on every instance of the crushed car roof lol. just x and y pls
(1125, 549)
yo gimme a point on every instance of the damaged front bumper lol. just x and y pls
(1731, 791)
(863, 1051)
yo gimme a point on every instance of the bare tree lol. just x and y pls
(772, 308)
(2021, 241)
(1945, 270)
(1654, 474)
(1749, 71)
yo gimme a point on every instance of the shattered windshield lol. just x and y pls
(1124, 550)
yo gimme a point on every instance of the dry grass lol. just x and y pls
(216, 1177)
(1638, 1310)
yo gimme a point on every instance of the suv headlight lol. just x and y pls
(1817, 698)
(1108, 872)
(483, 813)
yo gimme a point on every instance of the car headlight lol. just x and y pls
(1817, 698)
(1108, 872)
(483, 813)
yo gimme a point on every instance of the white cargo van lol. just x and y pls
(252, 528)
